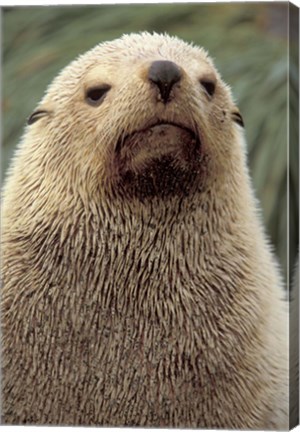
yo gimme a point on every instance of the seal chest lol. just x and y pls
(138, 286)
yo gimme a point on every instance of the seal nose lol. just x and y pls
(164, 74)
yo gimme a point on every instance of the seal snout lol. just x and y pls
(164, 74)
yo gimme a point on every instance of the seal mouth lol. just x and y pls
(159, 160)
(158, 128)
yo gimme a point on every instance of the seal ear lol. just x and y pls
(36, 115)
(237, 117)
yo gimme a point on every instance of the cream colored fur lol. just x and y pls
(166, 311)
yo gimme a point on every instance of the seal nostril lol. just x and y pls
(164, 74)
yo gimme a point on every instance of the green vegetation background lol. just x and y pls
(248, 43)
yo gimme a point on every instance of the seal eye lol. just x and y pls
(209, 86)
(95, 95)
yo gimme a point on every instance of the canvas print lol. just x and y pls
(150, 216)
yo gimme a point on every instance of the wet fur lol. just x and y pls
(162, 309)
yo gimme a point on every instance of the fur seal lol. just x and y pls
(139, 288)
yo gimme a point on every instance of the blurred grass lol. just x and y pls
(248, 43)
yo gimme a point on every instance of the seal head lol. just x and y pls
(151, 121)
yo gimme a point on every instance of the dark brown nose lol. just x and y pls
(164, 74)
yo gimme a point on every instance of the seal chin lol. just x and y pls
(160, 160)
(161, 140)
